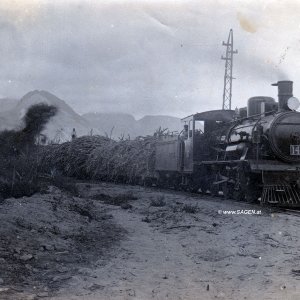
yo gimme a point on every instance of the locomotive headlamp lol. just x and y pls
(293, 103)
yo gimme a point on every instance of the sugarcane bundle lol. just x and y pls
(70, 157)
(126, 159)
(102, 158)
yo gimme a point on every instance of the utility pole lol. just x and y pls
(227, 93)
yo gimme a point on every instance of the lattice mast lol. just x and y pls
(227, 93)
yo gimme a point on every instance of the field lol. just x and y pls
(129, 242)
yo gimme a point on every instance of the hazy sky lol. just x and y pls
(147, 57)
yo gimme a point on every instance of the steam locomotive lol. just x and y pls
(251, 154)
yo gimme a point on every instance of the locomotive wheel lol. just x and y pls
(177, 187)
(233, 191)
(148, 182)
(252, 192)
(238, 194)
(162, 180)
(227, 189)
(243, 185)
(250, 197)
(204, 187)
(203, 184)
(193, 187)
(244, 188)
(176, 183)
(183, 185)
(214, 190)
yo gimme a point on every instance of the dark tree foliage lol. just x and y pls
(14, 142)
(18, 154)
(35, 120)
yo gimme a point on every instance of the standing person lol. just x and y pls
(74, 135)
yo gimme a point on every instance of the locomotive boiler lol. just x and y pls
(250, 155)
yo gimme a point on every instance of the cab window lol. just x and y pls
(199, 127)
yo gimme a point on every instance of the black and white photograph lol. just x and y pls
(149, 150)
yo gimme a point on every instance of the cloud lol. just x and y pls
(140, 57)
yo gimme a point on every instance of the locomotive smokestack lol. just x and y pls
(285, 91)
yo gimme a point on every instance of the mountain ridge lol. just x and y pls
(119, 124)
(59, 128)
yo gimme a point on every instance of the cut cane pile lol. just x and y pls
(98, 157)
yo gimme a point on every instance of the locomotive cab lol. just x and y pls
(204, 131)
(179, 159)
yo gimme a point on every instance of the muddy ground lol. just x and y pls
(130, 242)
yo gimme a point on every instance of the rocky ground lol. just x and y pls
(130, 242)
(48, 238)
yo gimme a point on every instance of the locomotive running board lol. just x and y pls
(280, 195)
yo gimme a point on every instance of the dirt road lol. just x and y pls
(179, 246)
(152, 244)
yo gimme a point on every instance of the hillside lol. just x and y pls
(149, 124)
(117, 125)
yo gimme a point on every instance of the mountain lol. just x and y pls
(149, 124)
(113, 125)
(117, 125)
(58, 129)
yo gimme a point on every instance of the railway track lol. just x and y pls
(220, 198)
(294, 212)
